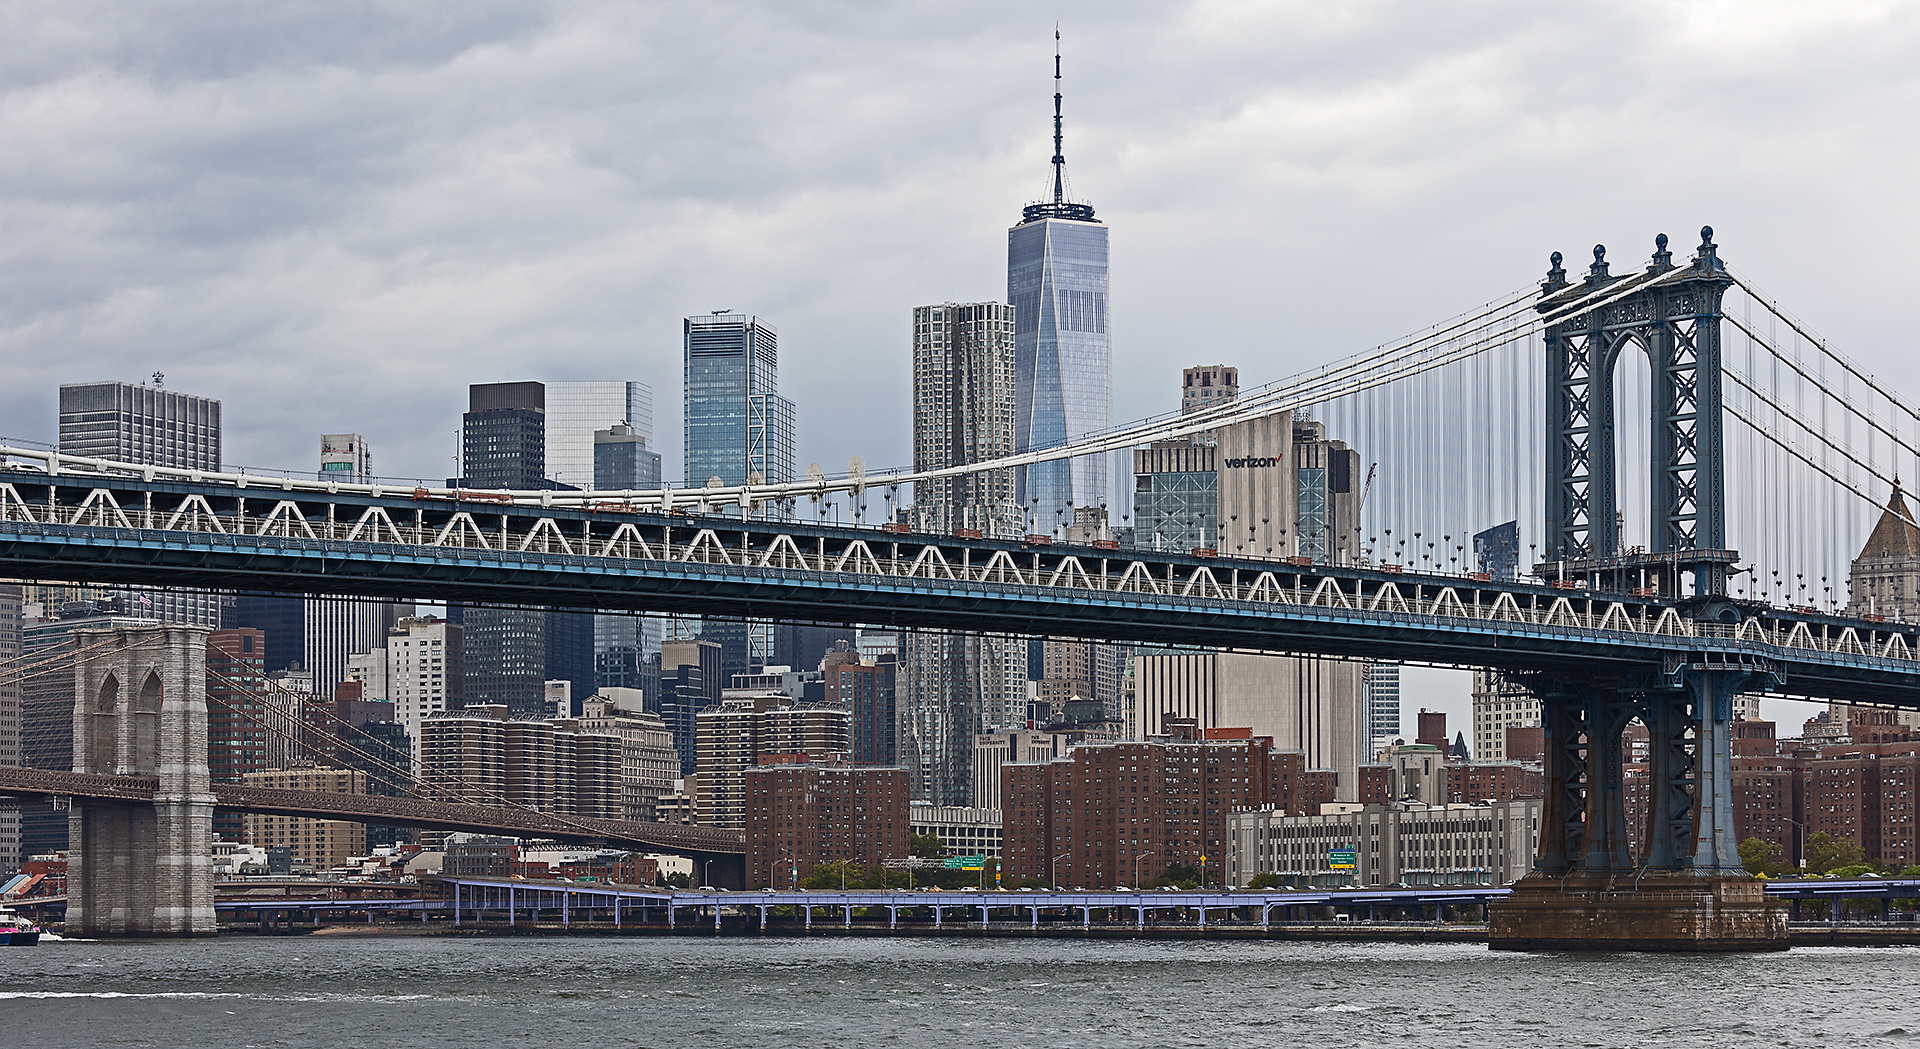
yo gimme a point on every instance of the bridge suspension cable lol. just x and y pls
(464, 792)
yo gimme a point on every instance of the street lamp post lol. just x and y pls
(706, 872)
(1054, 868)
(774, 863)
(1137, 857)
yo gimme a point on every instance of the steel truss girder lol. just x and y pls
(238, 539)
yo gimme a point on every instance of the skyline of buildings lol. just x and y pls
(989, 380)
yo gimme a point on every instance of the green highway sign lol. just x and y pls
(965, 863)
(1340, 859)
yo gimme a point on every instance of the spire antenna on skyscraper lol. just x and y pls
(1059, 152)
(1059, 207)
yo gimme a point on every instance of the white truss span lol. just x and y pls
(936, 560)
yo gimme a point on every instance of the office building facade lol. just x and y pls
(690, 681)
(140, 424)
(577, 411)
(149, 426)
(622, 461)
(1380, 684)
(338, 628)
(1408, 843)
(738, 427)
(1208, 386)
(237, 700)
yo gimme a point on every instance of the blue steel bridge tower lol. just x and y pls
(1063, 357)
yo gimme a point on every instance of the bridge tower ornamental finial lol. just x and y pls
(1709, 257)
(1556, 275)
(1662, 258)
(1598, 271)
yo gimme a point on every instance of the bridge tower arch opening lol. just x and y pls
(105, 729)
(143, 724)
(1633, 436)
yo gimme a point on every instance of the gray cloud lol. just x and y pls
(336, 216)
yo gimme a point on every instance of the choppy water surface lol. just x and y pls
(810, 993)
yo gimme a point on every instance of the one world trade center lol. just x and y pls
(1063, 359)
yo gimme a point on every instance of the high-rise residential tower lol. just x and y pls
(1063, 359)
(954, 686)
(964, 412)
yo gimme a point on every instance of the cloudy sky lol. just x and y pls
(333, 216)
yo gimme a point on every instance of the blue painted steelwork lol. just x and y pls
(225, 536)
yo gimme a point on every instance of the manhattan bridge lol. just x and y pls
(1691, 470)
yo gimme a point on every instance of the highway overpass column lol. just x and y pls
(140, 709)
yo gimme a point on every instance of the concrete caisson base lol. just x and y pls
(1651, 912)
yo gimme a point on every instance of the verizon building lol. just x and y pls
(1270, 488)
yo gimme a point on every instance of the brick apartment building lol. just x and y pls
(802, 814)
(323, 844)
(1785, 791)
(1110, 812)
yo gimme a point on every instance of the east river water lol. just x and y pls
(370, 992)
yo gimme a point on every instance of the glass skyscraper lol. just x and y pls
(738, 427)
(577, 409)
(1063, 357)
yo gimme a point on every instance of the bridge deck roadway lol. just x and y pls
(124, 529)
(698, 842)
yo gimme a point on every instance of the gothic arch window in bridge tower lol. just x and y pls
(143, 743)
(105, 728)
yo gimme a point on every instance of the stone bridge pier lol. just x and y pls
(140, 709)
